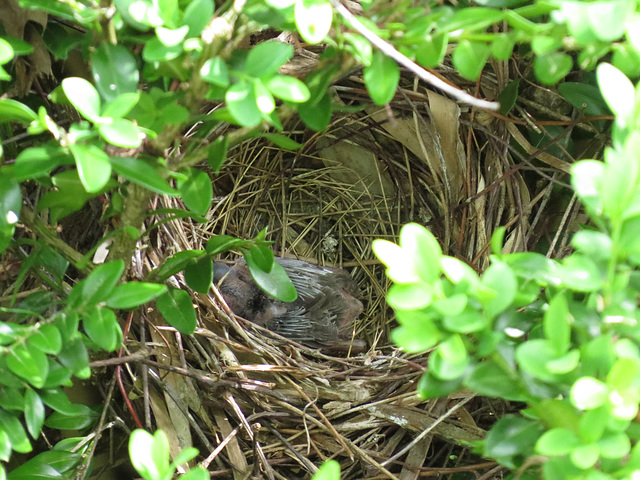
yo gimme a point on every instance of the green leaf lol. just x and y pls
(196, 191)
(47, 339)
(196, 16)
(223, 243)
(450, 359)
(617, 90)
(471, 19)
(381, 78)
(10, 201)
(266, 58)
(623, 374)
(586, 178)
(489, 379)
(288, 88)
(264, 99)
(616, 445)
(588, 393)
(171, 37)
(14, 111)
(533, 357)
(200, 275)
(276, 282)
(580, 273)
(176, 263)
(94, 168)
(149, 454)
(196, 473)
(215, 71)
(140, 14)
(98, 286)
(470, 57)
(552, 67)
(410, 296)
(585, 456)
(140, 172)
(510, 439)
(584, 97)
(29, 363)
(415, 337)
(155, 51)
(468, 321)
(114, 71)
(432, 51)
(33, 413)
(83, 96)
(282, 141)
(133, 294)
(500, 278)
(432, 387)
(605, 18)
(82, 418)
(508, 96)
(217, 153)
(241, 101)
(556, 324)
(316, 115)
(75, 357)
(121, 105)
(35, 162)
(177, 309)
(10, 425)
(101, 326)
(502, 46)
(6, 51)
(329, 470)
(313, 19)
(121, 133)
(262, 256)
(556, 442)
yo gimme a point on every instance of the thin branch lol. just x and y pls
(390, 51)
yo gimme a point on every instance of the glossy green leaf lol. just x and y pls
(140, 172)
(241, 101)
(222, 243)
(556, 324)
(33, 413)
(155, 51)
(176, 263)
(217, 153)
(83, 95)
(14, 111)
(132, 294)
(121, 105)
(500, 278)
(510, 439)
(605, 18)
(416, 338)
(200, 275)
(470, 57)
(316, 115)
(6, 51)
(381, 78)
(288, 88)
(552, 67)
(38, 161)
(533, 356)
(430, 386)
(588, 393)
(410, 296)
(276, 282)
(282, 141)
(196, 191)
(14, 430)
(313, 19)
(149, 454)
(432, 51)
(114, 71)
(101, 326)
(262, 256)
(584, 97)
(94, 168)
(83, 417)
(617, 90)
(215, 71)
(508, 96)
(171, 37)
(502, 46)
(586, 179)
(98, 286)
(580, 273)
(121, 133)
(329, 470)
(196, 16)
(557, 441)
(615, 445)
(177, 309)
(196, 473)
(52, 464)
(10, 201)
(623, 374)
(450, 359)
(75, 357)
(266, 58)
(585, 456)
(140, 14)
(477, 18)
(47, 339)
(264, 100)
(468, 321)
(489, 379)
(29, 363)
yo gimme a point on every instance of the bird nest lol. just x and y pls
(260, 406)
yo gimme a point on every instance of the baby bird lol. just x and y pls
(319, 317)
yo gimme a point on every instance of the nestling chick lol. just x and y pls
(320, 316)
